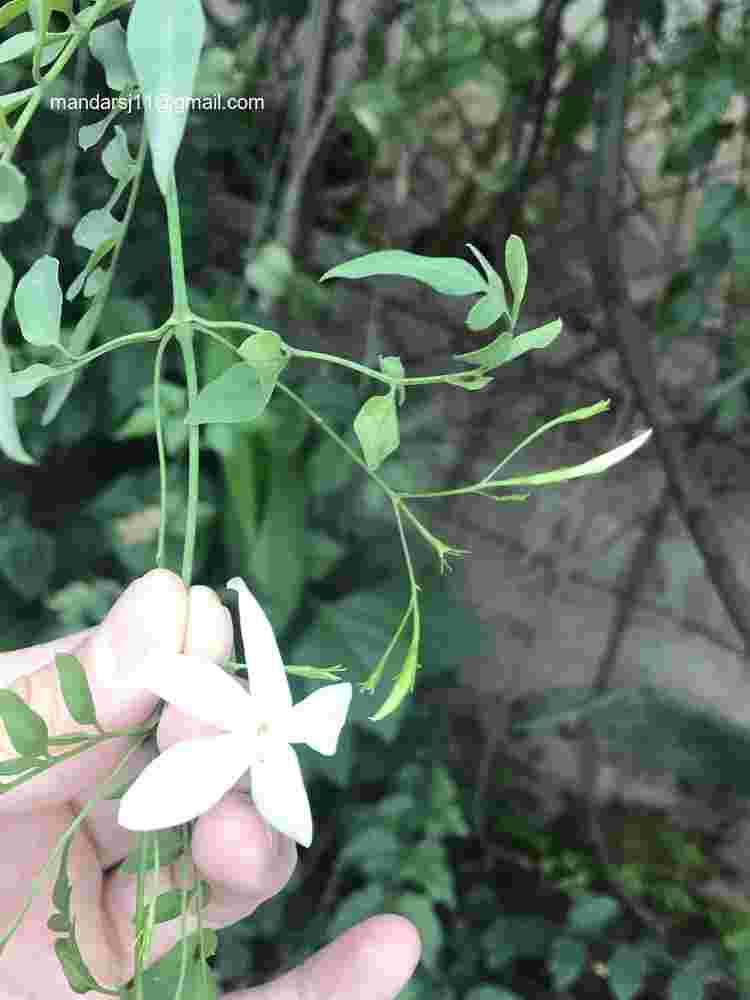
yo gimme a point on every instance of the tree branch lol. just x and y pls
(629, 334)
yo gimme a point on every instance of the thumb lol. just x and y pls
(150, 614)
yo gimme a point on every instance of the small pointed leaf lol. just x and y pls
(164, 43)
(447, 275)
(10, 439)
(95, 228)
(13, 193)
(235, 396)
(75, 689)
(495, 285)
(491, 356)
(376, 427)
(26, 730)
(542, 336)
(518, 271)
(23, 383)
(107, 44)
(116, 157)
(38, 302)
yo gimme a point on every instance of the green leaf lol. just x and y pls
(76, 972)
(62, 888)
(13, 192)
(533, 340)
(11, 10)
(159, 979)
(393, 366)
(168, 906)
(375, 851)
(470, 381)
(446, 818)
(27, 731)
(99, 254)
(376, 427)
(487, 311)
(491, 356)
(494, 305)
(402, 686)
(628, 967)
(263, 352)
(323, 553)
(447, 275)
(591, 468)
(27, 557)
(23, 383)
(427, 864)
(23, 43)
(518, 272)
(10, 439)
(491, 993)
(18, 765)
(236, 396)
(75, 689)
(590, 914)
(96, 227)
(10, 102)
(170, 849)
(419, 910)
(510, 937)
(89, 135)
(17, 45)
(164, 44)
(116, 157)
(329, 468)
(58, 923)
(687, 984)
(278, 557)
(38, 302)
(107, 44)
(567, 961)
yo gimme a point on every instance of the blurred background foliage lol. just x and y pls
(420, 125)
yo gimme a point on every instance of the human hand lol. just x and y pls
(244, 861)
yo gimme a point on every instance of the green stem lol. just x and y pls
(160, 449)
(142, 337)
(204, 328)
(333, 359)
(181, 313)
(370, 372)
(336, 437)
(185, 340)
(179, 285)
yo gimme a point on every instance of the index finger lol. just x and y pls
(150, 615)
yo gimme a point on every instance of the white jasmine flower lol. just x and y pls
(192, 775)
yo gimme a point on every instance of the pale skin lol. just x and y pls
(244, 861)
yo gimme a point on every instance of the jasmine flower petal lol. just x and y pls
(197, 687)
(279, 792)
(265, 668)
(318, 719)
(185, 781)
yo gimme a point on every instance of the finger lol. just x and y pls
(24, 661)
(233, 849)
(150, 615)
(372, 961)
(208, 633)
